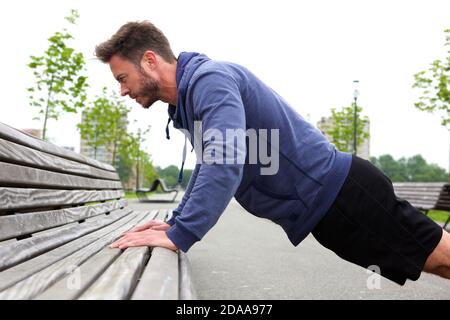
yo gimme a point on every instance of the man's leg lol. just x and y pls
(369, 225)
(439, 260)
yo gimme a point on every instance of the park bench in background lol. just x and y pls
(425, 196)
(142, 193)
(59, 211)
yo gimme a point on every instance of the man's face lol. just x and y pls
(135, 81)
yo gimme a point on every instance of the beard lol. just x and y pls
(148, 92)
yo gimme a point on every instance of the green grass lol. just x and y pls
(130, 195)
(440, 216)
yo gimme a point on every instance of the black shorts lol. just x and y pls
(369, 226)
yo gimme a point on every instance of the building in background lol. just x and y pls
(362, 151)
(103, 153)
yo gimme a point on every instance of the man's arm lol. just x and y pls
(218, 104)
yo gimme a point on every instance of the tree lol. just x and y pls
(170, 175)
(434, 84)
(132, 156)
(60, 84)
(395, 170)
(419, 170)
(414, 169)
(341, 128)
(147, 170)
(104, 124)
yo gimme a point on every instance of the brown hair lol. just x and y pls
(132, 40)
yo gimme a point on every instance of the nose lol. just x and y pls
(124, 90)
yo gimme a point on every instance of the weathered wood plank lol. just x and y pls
(160, 278)
(55, 231)
(7, 242)
(20, 137)
(415, 193)
(12, 226)
(85, 275)
(120, 278)
(25, 250)
(16, 175)
(12, 152)
(187, 288)
(66, 259)
(20, 198)
(419, 184)
(72, 285)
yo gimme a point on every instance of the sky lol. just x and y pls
(310, 52)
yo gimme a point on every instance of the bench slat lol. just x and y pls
(87, 273)
(418, 198)
(65, 258)
(422, 195)
(120, 278)
(20, 224)
(16, 175)
(24, 250)
(71, 286)
(20, 137)
(160, 278)
(187, 289)
(425, 185)
(421, 203)
(429, 194)
(12, 152)
(19, 198)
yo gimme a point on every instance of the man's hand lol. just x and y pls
(153, 224)
(148, 237)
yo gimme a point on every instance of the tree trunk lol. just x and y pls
(44, 130)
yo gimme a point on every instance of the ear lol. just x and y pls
(149, 60)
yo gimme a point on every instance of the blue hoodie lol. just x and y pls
(223, 96)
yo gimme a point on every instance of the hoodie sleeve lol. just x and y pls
(186, 195)
(217, 103)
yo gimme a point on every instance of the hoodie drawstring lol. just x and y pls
(167, 129)
(180, 175)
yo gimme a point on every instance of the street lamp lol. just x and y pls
(355, 116)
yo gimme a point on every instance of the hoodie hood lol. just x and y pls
(187, 64)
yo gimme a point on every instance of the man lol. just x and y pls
(345, 202)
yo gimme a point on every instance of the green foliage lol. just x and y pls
(170, 175)
(341, 128)
(434, 85)
(146, 168)
(104, 124)
(60, 80)
(133, 158)
(414, 169)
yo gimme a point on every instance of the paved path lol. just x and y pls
(245, 257)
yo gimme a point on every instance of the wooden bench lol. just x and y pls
(425, 196)
(59, 211)
(142, 193)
